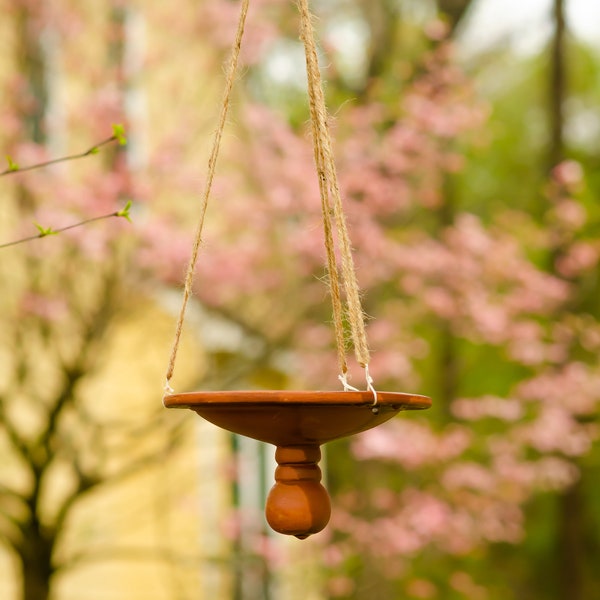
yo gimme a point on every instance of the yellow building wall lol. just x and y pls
(157, 535)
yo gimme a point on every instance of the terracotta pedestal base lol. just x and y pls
(297, 423)
(298, 504)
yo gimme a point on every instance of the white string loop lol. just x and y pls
(347, 387)
(371, 387)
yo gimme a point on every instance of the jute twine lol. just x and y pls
(331, 202)
(212, 163)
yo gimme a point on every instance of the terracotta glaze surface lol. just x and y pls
(297, 422)
(285, 418)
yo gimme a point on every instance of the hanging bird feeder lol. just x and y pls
(299, 422)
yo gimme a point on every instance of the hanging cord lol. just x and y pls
(212, 162)
(331, 202)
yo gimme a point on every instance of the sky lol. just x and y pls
(525, 24)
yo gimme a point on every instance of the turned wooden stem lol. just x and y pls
(298, 504)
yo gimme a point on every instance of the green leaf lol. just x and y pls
(12, 166)
(124, 212)
(44, 231)
(93, 150)
(119, 134)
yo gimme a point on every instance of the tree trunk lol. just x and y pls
(454, 10)
(558, 85)
(36, 562)
(570, 551)
(36, 584)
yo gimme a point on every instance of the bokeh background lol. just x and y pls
(467, 139)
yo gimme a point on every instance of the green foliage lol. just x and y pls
(119, 134)
(12, 166)
(44, 231)
(124, 212)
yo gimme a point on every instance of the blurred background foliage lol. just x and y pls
(470, 175)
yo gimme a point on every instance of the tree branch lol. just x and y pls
(15, 438)
(88, 482)
(14, 537)
(47, 231)
(118, 136)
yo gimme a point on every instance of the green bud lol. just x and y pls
(119, 134)
(44, 231)
(12, 166)
(124, 212)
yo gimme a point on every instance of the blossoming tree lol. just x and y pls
(486, 306)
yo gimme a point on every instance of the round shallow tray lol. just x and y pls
(297, 422)
(289, 418)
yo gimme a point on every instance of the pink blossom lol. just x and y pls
(555, 431)
(421, 588)
(410, 443)
(580, 257)
(464, 584)
(570, 213)
(470, 475)
(340, 585)
(429, 517)
(47, 308)
(554, 473)
(507, 409)
(568, 173)
(574, 387)
(333, 555)
(436, 30)
(270, 550)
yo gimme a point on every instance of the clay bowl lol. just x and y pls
(297, 423)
